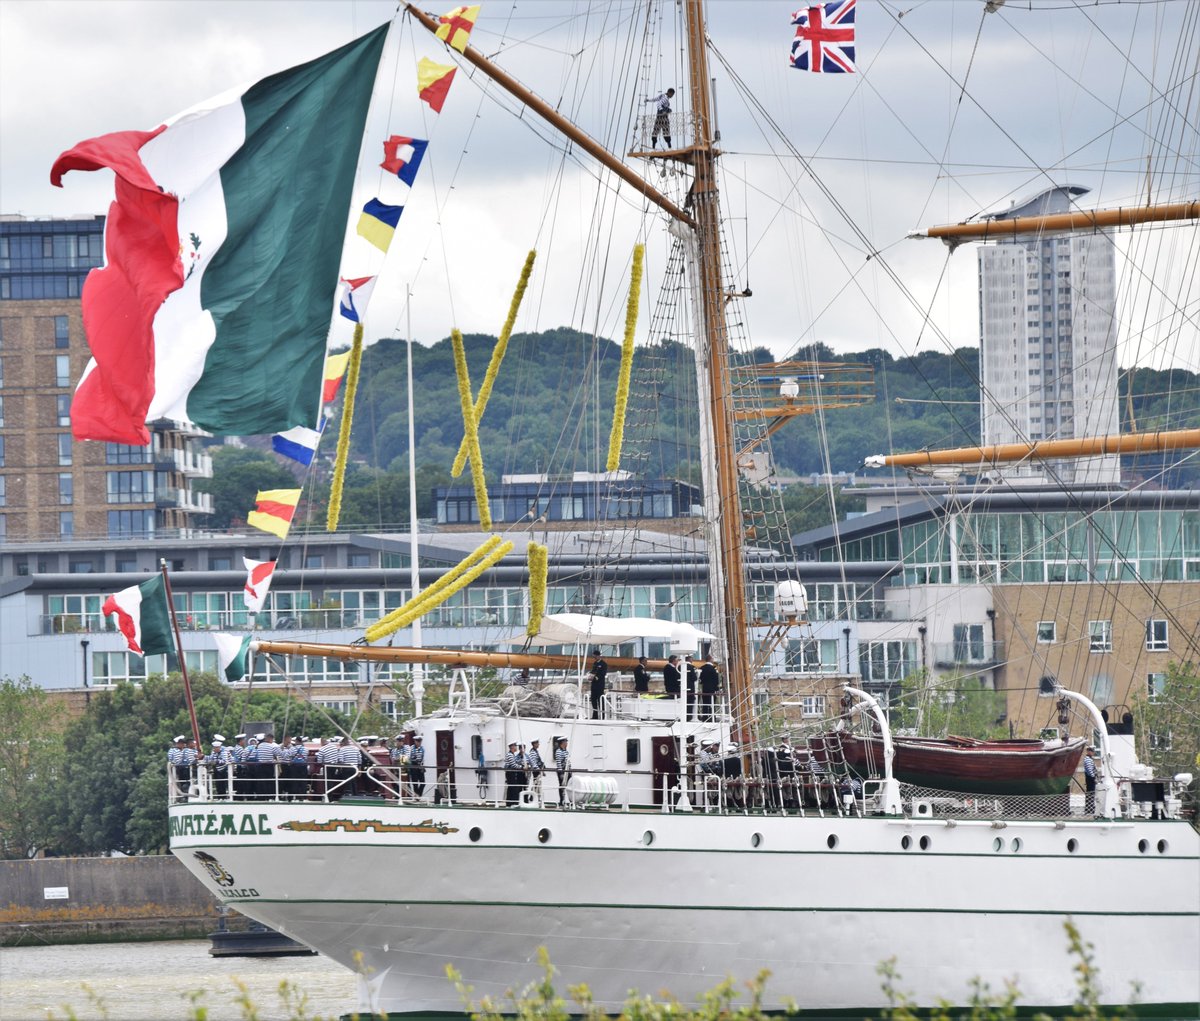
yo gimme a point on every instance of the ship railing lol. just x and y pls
(931, 803)
(301, 782)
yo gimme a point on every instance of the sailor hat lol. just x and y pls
(216, 743)
(417, 737)
(239, 737)
(259, 737)
(219, 738)
(179, 738)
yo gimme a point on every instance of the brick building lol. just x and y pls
(52, 486)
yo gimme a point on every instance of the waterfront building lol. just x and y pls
(580, 496)
(52, 486)
(1048, 342)
(1100, 590)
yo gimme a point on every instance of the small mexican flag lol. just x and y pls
(222, 254)
(143, 617)
(233, 654)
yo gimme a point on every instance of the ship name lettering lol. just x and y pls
(247, 892)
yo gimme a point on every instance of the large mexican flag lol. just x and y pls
(222, 254)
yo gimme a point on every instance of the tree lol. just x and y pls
(949, 704)
(1168, 726)
(31, 749)
(112, 793)
(238, 474)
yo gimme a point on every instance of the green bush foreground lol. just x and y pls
(540, 1000)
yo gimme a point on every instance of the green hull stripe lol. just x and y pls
(270, 286)
(1159, 1011)
(609, 906)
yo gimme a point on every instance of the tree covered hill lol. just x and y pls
(552, 405)
(551, 411)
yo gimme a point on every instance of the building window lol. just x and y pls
(62, 333)
(1160, 740)
(4, 532)
(64, 449)
(3, 490)
(314, 561)
(812, 656)
(812, 706)
(359, 560)
(66, 488)
(347, 707)
(1100, 635)
(220, 564)
(126, 565)
(66, 524)
(62, 370)
(64, 408)
(121, 453)
(130, 487)
(887, 661)
(1156, 684)
(131, 524)
(1, 451)
(81, 566)
(1, 411)
(1047, 632)
(111, 667)
(1156, 636)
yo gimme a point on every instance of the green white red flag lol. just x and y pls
(233, 655)
(143, 617)
(223, 250)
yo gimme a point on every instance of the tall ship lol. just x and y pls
(684, 839)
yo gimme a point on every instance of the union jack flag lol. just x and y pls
(824, 38)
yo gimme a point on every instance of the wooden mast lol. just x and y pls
(1084, 219)
(704, 218)
(1041, 450)
(728, 527)
(552, 116)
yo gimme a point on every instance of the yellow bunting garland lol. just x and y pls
(538, 559)
(489, 378)
(451, 575)
(427, 602)
(619, 405)
(471, 430)
(343, 445)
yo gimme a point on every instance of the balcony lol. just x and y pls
(170, 497)
(968, 655)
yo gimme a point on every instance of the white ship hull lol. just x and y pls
(704, 897)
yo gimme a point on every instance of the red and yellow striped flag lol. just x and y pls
(276, 507)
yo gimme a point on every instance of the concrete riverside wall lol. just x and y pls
(151, 897)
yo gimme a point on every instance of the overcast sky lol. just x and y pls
(1090, 95)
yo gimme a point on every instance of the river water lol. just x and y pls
(155, 982)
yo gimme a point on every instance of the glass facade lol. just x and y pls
(48, 258)
(1015, 548)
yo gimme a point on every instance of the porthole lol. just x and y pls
(1016, 844)
(756, 840)
(925, 843)
(998, 844)
(831, 841)
(648, 837)
(1072, 845)
(1143, 846)
(543, 836)
(475, 834)
(905, 842)
(1162, 847)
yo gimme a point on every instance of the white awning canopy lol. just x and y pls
(594, 629)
